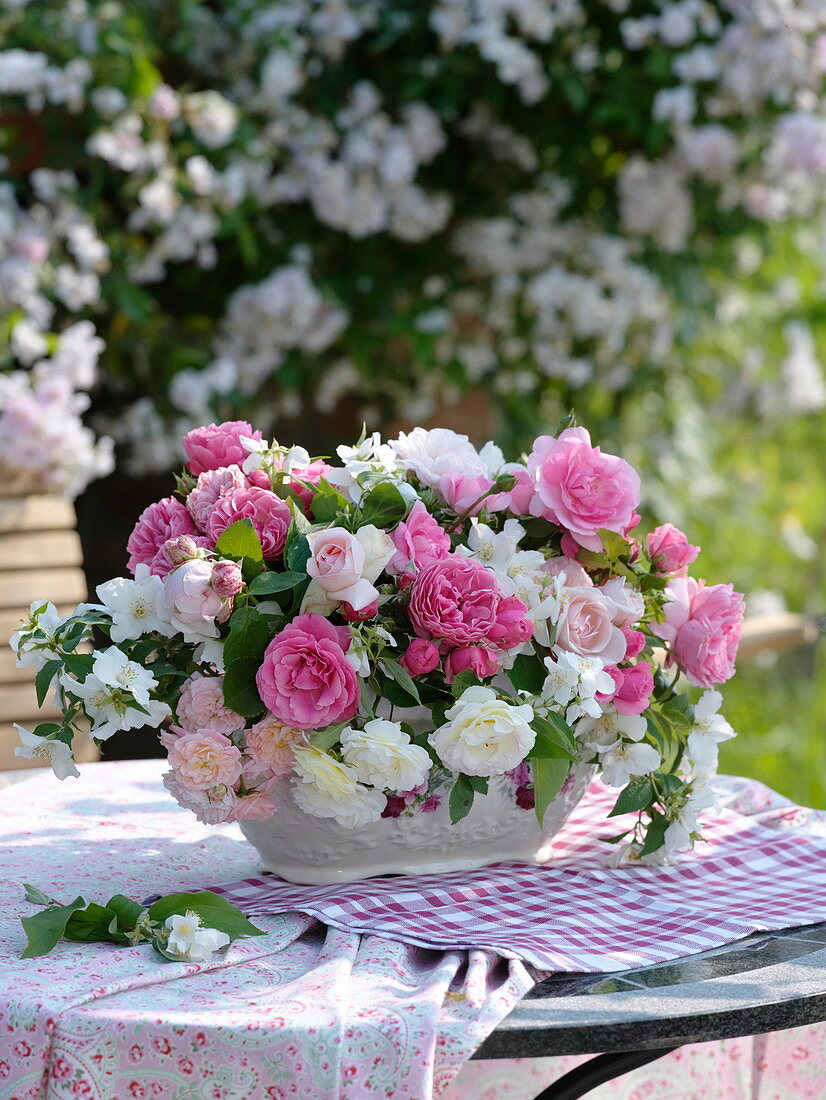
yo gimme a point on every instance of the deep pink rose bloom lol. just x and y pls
(635, 686)
(634, 642)
(473, 657)
(512, 626)
(213, 484)
(217, 445)
(702, 624)
(268, 513)
(305, 679)
(582, 489)
(160, 521)
(422, 656)
(312, 474)
(227, 579)
(670, 550)
(419, 541)
(455, 600)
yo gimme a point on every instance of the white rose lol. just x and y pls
(484, 735)
(378, 550)
(323, 787)
(432, 454)
(628, 604)
(383, 756)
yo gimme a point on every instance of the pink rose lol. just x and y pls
(337, 562)
(217, 445)
(369, 611)
(205, 759)
(702, 625)
(268, 513)
(628, 604)
(575, 575)
(422, 656)
(227, 579)
(580, 488)
(160, 521)
(670, 551)
(512, 627)
(191, 600)
(587, 626)
(521, 495)
(312, 474)
(473, 657)
(419, 541)
(201, 705)
(634, 642)
(270, 745)
(305, 679)
(462, 493)
(213, 484)
(211, 807)
(455, 600)
(635, 686)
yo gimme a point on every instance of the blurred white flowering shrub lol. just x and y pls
(266, 208)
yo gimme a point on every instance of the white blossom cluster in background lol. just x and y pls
(277, 207)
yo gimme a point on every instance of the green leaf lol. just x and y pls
(44, 677)
(240, 689)
(615, 545)
(35, 895)
(44, 929)
(636, 796)
(327, 503)
(554, 737)
(125, 909)
(298, 554)
(269, 583)
(94, 924)
(479, 783)
(461, 798)
(214, 911)
(548, 777)
(383, 506)
(79, 664)
(402, 678)
(249, 635)
(655, 836)
(462, 681)
(528, 673)
(240, 540)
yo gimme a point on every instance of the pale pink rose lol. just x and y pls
(478, 660)
(192, 602)
(255, 807)
(629, 606)
(455, 600)
(269, 515)
(512, 627)
(160, 521)
(702, 625)
(305, 678)
(575, 575)
(212, 807)
(201, 705)
(270, 745)
(422, 656)
(635, 686)
(670, 551)
(213, 484)
(419, 541)
(217, 445)
(336, 562)
(462, 493)
(227, 579)
(634, 642)
(587, 628)
(580, 488)
(205, 759)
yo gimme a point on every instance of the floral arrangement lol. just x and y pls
(409, 625)
(260, 207)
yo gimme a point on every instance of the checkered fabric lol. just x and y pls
(577, 913)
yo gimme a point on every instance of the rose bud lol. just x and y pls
(352, 616)
(227, 579)
(421, 657)
(181, 548)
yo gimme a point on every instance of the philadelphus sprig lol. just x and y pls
(418, 627)
(180, 927)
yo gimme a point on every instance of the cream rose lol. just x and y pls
(324, 787)
(383, 756)
(483, 734)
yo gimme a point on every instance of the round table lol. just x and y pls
(767, 982)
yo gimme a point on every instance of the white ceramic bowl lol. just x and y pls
(317, 851)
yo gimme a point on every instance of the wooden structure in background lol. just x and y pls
(40, 558)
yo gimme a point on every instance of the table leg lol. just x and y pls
(605, 1067)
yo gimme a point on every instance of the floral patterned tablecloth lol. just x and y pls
(306, 1011)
